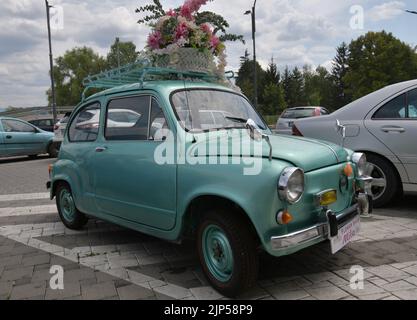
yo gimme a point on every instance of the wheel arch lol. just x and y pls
(204, 202)
(392, 165)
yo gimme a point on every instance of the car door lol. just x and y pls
(395, 125)
(129, 184)
(21, 138)
(3, 150)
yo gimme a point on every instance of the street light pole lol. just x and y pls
(51, 62)
(255, 71)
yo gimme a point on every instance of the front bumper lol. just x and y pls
(303, 238)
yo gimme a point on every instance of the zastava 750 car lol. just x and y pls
(192, 158)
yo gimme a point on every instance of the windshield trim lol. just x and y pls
(212, 89)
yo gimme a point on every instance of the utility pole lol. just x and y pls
(118, 51)
(255, 71)
(51, 62)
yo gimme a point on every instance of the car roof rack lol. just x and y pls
(139, 72)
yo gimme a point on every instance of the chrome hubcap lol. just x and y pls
(379, 183)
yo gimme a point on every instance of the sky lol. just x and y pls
(293, 32)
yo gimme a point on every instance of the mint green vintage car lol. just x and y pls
(191, 158)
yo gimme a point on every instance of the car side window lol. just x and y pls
(412, 104)
(158, 124)
(84, 127)
(128, 118)
(394, 109)
(16, 126)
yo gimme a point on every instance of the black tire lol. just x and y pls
(79, 219)
(393, 183)
(53, 150)
(243, 245)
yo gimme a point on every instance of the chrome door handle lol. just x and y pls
(101, 149)
(393, 129)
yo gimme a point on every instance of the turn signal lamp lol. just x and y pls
(348, 170)
(284, 217)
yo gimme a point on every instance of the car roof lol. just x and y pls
(166, 86)
(361, 107)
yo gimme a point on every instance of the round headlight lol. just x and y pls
(360, 160)
(291, 184)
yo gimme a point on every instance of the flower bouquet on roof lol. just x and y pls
(186, 39)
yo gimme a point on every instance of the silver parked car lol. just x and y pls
(287, 118)
(382, 124)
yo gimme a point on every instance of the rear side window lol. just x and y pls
(394, 109)
(84, 127)
(128, 118)
(412, 104)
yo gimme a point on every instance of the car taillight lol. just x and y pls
(296, 132)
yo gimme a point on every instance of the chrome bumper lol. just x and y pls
(316, 233)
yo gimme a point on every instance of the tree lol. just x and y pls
(339, 70)
(69, 72)
(125, 51)
(274, 100)
(376, 60)
(272, 74)
(245, 79)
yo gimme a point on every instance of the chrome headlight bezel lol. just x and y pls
(287, 187)
(359, 159)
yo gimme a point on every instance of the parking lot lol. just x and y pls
(107, 262)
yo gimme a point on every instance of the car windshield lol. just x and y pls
(298, 113)
(204, 110)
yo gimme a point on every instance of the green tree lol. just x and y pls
(378, 59)
(274, 100)
(245, 80)
(339, 70)
(123, 51)
(69, 72)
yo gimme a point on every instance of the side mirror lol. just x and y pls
(253, 130)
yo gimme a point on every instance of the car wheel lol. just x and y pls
(52, 150)
(67, 210)
(385, 185)
(227, 252)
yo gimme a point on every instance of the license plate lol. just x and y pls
(345, 235)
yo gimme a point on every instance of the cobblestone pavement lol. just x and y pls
(107, 262)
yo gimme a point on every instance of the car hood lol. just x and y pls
(305, 153)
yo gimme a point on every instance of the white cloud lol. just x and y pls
(387, 11)
(295, 32)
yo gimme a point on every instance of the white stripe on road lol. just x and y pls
(113, 265)
(27, 211)
(24, 196)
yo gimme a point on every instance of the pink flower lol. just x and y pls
(214, 42)
(182, 31)
(206, 28)
(191, 6)
(186, 12)
(154, 40)
(171, 13)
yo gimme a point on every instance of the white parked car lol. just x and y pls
(287, 118)
(382, 124)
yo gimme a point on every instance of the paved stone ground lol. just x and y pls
(107, 262)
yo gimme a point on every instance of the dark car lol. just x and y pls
(44, 124)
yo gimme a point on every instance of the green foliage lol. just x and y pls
(376, 60)
(125, 51)
(69, 72)
(156, 11)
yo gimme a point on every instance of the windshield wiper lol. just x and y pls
(237, 119)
